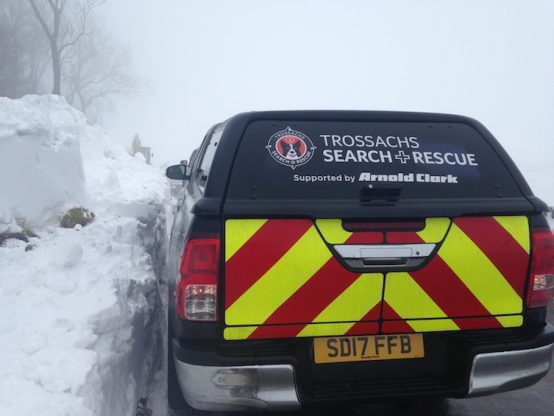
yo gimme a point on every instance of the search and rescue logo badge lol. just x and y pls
(290, 148)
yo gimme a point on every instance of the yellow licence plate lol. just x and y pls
(368, 347)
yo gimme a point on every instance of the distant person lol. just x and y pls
(136, 145)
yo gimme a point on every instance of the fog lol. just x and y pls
(203, 61)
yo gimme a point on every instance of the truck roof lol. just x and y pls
(234, 130)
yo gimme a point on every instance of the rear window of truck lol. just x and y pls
(334, 160)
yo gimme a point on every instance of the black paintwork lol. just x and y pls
(235, 127)
(205, 212)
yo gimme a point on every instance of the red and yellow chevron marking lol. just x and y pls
(281, 279)
(435, 230)
(334, 233)
(452, 293)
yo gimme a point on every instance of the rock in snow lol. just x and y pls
(80, 312)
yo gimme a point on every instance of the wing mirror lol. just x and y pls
(179, 172)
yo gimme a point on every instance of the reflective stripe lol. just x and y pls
(447, 290)
(423, 325)
(409, 300)
(282, 280)
(237, 233)
(518, 228)
(315, 295)
(435, 230)
(276, 331)
(499, 246)
(332, 231)
(365, 323)
(318, 330)
(479, 274)
(349, 305)
(265, 248)
(238, 332)
(310, 330)
(430, 325)
(510, 321)
(286, 276)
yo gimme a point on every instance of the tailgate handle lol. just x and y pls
(384, 261)
(383, 256)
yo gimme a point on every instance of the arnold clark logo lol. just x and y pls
(290, 147)
(407, 178)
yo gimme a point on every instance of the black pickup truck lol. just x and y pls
(328, 256)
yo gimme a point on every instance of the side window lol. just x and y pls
(203, 171)
(193, 157)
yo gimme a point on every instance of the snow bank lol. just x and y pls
(118, 183)
(80, 312)
(40, 162)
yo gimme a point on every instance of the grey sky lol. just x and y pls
(207, 60)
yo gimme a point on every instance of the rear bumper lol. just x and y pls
(508, 370)
(273, 376)
(265, 387)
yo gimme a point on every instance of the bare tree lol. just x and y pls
(89, 66)
(97, 69)
(64, 23)
(23, 50)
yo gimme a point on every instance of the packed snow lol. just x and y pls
(39, 143)
(80, 310)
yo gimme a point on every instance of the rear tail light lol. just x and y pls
(197, 287)
(541, 283)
